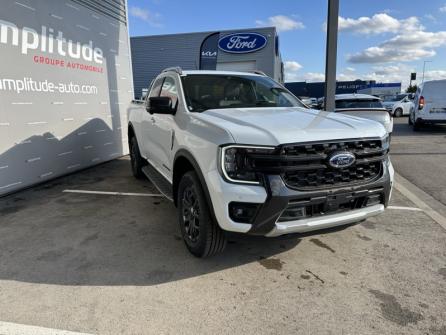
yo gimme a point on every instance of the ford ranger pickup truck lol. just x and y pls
(237, 152)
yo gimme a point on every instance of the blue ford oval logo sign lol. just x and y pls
(240, 43)
(341, 160)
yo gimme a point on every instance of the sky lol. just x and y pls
(382, 40)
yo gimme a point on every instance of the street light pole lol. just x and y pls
(331, 54)
(424, 68)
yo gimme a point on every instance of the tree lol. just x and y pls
(411, 89)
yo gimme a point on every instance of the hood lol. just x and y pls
(274, 126)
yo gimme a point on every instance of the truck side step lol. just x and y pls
(157, 179)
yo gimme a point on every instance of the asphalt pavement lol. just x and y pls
(421, 156)
(114, 263)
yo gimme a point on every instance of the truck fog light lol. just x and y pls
(293, 212)
(374, 200)
(242, 212)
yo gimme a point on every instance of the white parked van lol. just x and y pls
(430, 104)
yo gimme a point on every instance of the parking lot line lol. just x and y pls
(8, 328)
(405, 208)
(433, 214)
(114, 193)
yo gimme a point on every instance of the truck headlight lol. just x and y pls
(238, 163)
(385, 142)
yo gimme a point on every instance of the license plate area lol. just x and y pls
(437, 110)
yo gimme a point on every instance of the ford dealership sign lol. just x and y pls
(242, 42)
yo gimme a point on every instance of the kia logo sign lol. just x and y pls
(239, 43)
(209, 54)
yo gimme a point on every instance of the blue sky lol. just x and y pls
(381, 40)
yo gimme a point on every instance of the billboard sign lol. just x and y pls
(65, 85)
(241, 43)
(209, 52)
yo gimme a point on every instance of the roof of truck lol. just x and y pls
(228, 73)
(182, 72)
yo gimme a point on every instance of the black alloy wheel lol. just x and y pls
(191, 214)
(136, 161)
(201, 234)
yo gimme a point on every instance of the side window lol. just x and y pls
(169, 89)
(155, 91)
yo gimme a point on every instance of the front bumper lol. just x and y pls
(275, 197)
(329, 221)
(280, 196)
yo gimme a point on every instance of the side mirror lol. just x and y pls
(160, 105)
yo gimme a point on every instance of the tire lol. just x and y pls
(398, 112)
(202, 236)
(417, 125)
(409, 119)
(137, 162)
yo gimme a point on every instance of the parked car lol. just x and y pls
(238, 152)
(430, 104)
(365, 106)
(402, 107)
(310, 102)
(390, 102)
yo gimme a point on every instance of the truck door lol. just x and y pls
(163, 128)
(147, 123)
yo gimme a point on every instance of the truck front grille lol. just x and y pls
(306, 167)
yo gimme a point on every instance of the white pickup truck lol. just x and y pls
(238, 152)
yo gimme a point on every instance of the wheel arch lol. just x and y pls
(130, 131)
(130, 134)
(184, 161)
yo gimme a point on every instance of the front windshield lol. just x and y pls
(205, 92)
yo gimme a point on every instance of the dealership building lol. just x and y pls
(65, 86)
(68, 72)
(316, 89)
(233, 50)
(382, 90)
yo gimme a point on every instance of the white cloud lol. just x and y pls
(144, 14)
(292, 66)
(411, 41)
(314, 76)
(399, 73)
(308, 77)
(431, 18)
(402, 48)
(293, 74)
(378, 24)
(390, 73)
(434, 75)
(347, 76)
(443, 9)
(281, 22)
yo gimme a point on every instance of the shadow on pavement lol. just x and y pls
(51, 237)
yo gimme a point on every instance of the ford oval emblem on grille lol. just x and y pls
(341, 160)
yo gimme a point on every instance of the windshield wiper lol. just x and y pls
(265, 103)
(201, 107)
